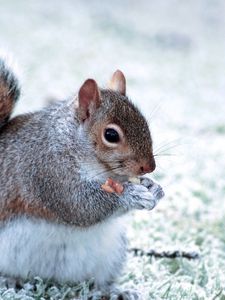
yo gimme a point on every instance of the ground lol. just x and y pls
(173, 55)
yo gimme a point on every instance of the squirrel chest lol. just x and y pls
(71, 254)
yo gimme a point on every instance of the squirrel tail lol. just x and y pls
(9, 91)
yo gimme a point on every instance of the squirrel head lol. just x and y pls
(117, 130)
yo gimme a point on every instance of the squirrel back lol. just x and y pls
(9, 91)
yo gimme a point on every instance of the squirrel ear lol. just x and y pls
(118, 83)
(89, 99)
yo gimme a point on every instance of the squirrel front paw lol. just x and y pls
(145, 195)
(153, 187)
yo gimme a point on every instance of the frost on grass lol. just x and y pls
(172, 53)
(39, 289)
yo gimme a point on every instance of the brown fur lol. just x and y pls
(18, 206)
(9, 91)
(6, 105)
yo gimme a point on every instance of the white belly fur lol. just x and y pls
(65, 253)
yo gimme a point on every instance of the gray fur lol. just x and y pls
(45, 158)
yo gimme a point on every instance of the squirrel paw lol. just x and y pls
(10, 282)
(153, 187)
(146, 195)
(142, 198)
(146, 181)
(125, 295)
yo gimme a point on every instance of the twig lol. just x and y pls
(167, 254)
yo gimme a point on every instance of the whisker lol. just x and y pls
(162, 151)
(91, 162)
(173, 143)
(154, 111)
(166, 154)
(105, 172)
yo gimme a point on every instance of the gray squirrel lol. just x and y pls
(56, 220)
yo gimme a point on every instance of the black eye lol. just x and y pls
(111, 135)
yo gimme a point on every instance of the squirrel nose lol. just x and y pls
(148, 167)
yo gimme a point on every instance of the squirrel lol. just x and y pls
(56, 220)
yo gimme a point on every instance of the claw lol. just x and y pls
(147, 182)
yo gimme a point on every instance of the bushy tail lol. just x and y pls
(9, 91)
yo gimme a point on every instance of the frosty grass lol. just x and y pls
(172, 53)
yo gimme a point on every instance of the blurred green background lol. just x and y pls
(173, 55)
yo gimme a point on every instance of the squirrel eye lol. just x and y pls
(111, 135)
